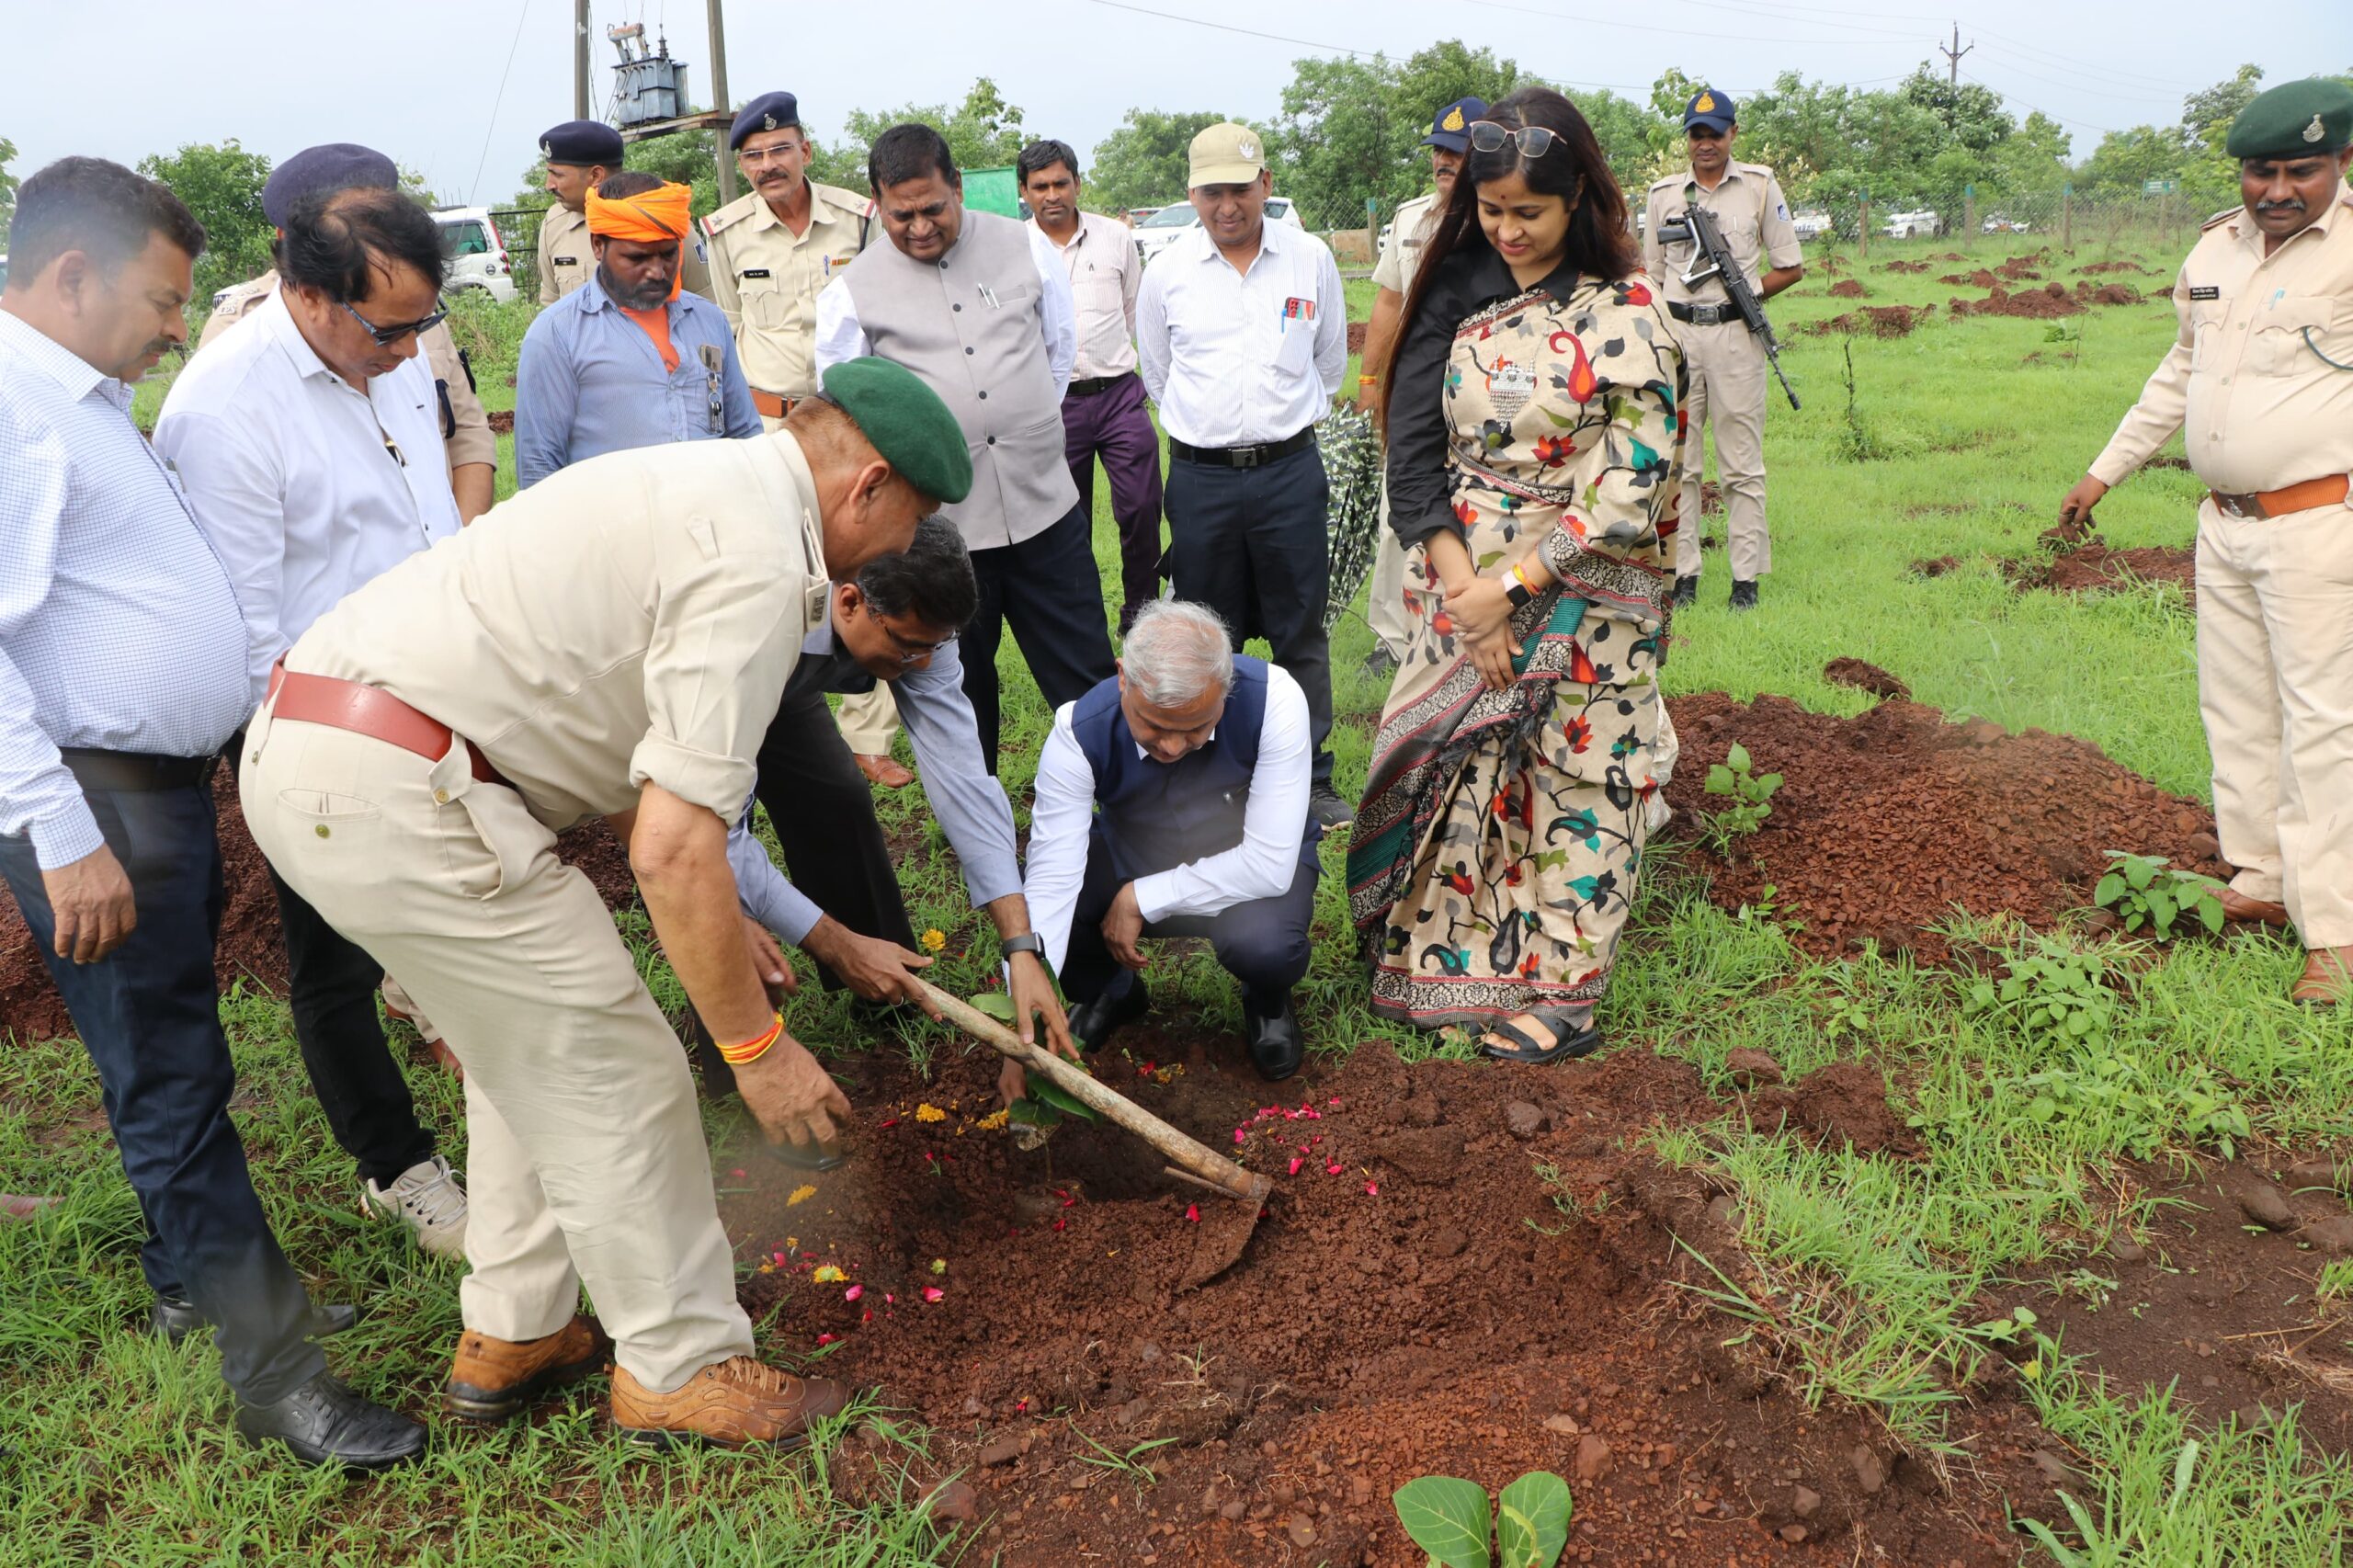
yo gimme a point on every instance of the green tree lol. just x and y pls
(1146, 161)
(2206, 116)
(7, 187)
(984, 132)
(1339, 140)
(2032, 160)
(222, 186)
(1972, 116)
(1632, 137)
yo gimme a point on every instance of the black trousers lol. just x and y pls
(1249, 543)
(1047, 589)
(331, 988)
(1263, 943)
(822, 810)
(149, 1015)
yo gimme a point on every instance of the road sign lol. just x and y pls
(2160, 187)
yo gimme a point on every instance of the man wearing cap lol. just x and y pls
(2259, 384)
(1103, 412)
(627, 360)
(581, 155)
(772, 251)
(613, 641)
(471, 450)
(979, 307)
(1727, 363)
(1401, 257)
(1243, 331)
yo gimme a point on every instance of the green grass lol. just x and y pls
(1870, 1269)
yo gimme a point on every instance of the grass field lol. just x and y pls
(119, 1450)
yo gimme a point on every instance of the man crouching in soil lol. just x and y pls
(612, 642)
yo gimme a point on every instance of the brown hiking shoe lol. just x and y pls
(2327, 980)
(2236, 905)
(730, 1402)
(493, 1379)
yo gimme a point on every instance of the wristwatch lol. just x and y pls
(1517, 591)
(1027, 942)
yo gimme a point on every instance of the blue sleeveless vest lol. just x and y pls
(1154, 815)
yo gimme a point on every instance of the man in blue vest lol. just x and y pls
(1173, 800)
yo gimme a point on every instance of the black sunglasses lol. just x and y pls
(386, 336)
(1533, 141)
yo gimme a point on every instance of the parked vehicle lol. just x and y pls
(1921, 225)
(477, 254)
(1997, 224)
(1809, 225)
(1166, 227)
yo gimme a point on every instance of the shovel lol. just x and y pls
(1218, 1246)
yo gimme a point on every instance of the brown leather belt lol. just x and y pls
(366, 711)
(2259, 504)
(772, 405)
(135, 771)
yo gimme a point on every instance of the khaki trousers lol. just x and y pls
(1384, 608)
(585, 1158)
(868, 721)
(1728, 380)
(2275, 688)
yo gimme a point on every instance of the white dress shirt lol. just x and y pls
(1234, 358)
(307, 486)
(1261, 866)
(1106, 272)
(840, 337)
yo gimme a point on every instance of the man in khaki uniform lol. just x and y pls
(616, 642)
(580, 153)
(2260, 382)
(471, 449)
(1401, 258)
(772, 252)
(1727, 363)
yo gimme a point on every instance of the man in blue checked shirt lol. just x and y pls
(123, 674)
(627, 359)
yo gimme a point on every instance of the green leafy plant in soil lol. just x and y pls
(1449, 1518)
(2054, 992)
(2143, 892)
(1751, 795)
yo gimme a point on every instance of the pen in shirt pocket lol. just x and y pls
(990, 295)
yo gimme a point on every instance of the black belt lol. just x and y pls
(1258, 455)
(136, 770)
(1092, 386)
(1703, 315)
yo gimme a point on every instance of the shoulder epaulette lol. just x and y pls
(2224, 216)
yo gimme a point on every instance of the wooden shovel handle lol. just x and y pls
(1192, 1159)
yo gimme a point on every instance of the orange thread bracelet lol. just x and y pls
(754, 1049)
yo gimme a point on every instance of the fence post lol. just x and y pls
(1372, 228)
(1969, 216)
(2067, 217)
(1862, 229)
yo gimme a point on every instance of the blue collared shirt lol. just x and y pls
(118, 630)
(591, 381)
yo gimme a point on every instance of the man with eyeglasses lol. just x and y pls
(309, 443)
(893, 625)
(1727, 363)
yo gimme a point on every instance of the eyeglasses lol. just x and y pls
(386, 336)
(911, 652)
(1533, 141)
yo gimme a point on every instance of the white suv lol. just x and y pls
(1166, 227)
(1923, 224)
(477, 256)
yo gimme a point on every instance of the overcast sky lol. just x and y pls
(451, 87)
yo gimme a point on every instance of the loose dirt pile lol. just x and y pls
(1903, 267)
(1980, 278)
(1849, 288)
(1937, 567)
(1875, 320)
(2035, 304)
(2081, 562)
(1358, 330)
(2099, 267)
(1864, 677)
(250, 947)
(1886, 820)
(2021, 268)
(501, 422)
(1468, 1274)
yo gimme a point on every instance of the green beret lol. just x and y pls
(906, 421)
(2295, 119)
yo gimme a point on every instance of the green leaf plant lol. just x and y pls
(1449, 1519)
(1751, 795)
(2143, 892)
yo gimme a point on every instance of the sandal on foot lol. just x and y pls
(1568, 1041)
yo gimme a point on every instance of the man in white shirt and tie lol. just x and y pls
(1103, 412)
(1243, 333)
(310, 444)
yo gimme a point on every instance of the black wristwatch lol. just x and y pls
(1027, 942)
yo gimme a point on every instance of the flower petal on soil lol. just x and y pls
(1297, 1160)
(933, 1293)
(853, 1293)
(1372, 1189)
(929, 1112)
(828, 1274)
(800, 1195)
(1193, 1213)
(939, 1265)
(827, 1339)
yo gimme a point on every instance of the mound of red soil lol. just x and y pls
(2035, 304)
(1849, 288)
(1469, 1274)
(2020, 268)
(2110, 294)
(2099, 267)
(501, 422)
(1937, 567)
(1886, 820)
(1980, 278)
(2093, 567)
(1875, 320)
(1947, 256)
(250, 947)
(1864, 677)
(1903, 267)
(1356, 333)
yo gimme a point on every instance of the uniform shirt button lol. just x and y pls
(955, 307)
(992, 440)
(441, 797)
(984, 397)
(322, 829)
(968, 350)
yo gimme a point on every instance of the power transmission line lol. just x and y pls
(491, 130)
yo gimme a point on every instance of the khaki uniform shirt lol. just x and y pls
(465, 429)
(768, 279)
(631, 619)
(566, 261)
(1749, 206)
(2247, 381)
(1401, 257)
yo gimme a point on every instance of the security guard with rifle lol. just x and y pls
(1704, 232)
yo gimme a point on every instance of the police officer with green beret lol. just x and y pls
(2259, 383)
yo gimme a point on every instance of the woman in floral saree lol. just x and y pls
(1535, 458)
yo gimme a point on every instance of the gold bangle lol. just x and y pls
(752, 1049)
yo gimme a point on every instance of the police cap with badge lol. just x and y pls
(2295, 119)
(1451, 131)
(769, 111)
(585, 143)
(1710, 108)
(323, 170)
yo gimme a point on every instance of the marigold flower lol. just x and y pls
(828, 1274)
(934, 939)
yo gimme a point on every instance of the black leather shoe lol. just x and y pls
(1276, 1043)
(325, 1423)
(1744, 595)
(1687, 590)
(1091, 1023)
(175, 1318)
(1379, 665)
(1331, 812)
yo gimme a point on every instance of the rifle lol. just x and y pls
(1713, 259)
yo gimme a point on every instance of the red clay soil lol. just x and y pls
(1864, 677)
(2021, 268)
(2035, 304)
(2099, 267)
(502, 423)
(1937, 567)
(1426, 1307)
(1885, 820)
(250, 947)
(1903, 267)
(1849, 288)
(2093, 567)
(1980, 278)
(1875, 320)
(1357, 331)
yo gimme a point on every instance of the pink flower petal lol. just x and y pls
(1297, 1160)
(1193, 1213)
(853, 1293)
(934, 1293)
(1372, 1189)
(826, 1338)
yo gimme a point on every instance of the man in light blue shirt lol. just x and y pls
(627, 359)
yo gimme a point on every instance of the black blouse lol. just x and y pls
(1421, 484)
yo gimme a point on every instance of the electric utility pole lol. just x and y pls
(721, 102)
(580, 60)
(1952, 56)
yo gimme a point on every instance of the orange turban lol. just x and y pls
(656, 217)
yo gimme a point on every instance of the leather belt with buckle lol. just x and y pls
(1094, 386)
(770, 404)
(1258, 455)
(2256, 504)
(1702, 315)
(366, 711)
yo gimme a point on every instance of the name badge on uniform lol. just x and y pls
(567, 260)
(2206, 291)
(754, 272)
(812, 602)
(1510, 387)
